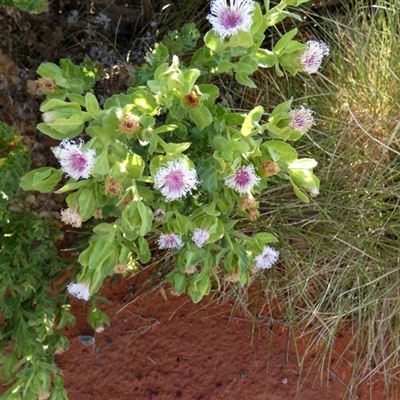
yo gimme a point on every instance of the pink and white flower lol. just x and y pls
(79, 290)
(267, 258)
(301, 119)
(243, 180)
(75, 162)
(312, 57)
(227, 20)
(175, 180)
(169, 241)
(200, 236)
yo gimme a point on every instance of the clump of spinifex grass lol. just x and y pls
(340, 253)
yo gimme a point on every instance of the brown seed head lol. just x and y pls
(130, 124)
(98, 213)
(232, 277)
(46, 85)
(270, 168)
(71, 216)
(192, 99)
(120, 268)
(247, 202)
(253, 214)
(112, 187)
(44, 394)
(190, 270)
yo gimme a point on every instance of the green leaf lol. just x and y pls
(284, 41)
(175, 148)
(280, 151)
(102, 166)
(243, 79)
(301, 195)
(42, 179)
(144, 250)
(251, 118)
(92, 105)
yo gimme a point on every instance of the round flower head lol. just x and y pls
(301, 119)
(169, 241)
(159, 215)
(229, 19)
(176, 180)
(267, 258)
(312, 57)
(71, 216)
(243, 179)
(79, 290)
(200, 236)
(75, 162)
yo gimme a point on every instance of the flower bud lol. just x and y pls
(112, 187)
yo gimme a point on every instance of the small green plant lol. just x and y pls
(31, 6)
(30, 315)
(168, 162)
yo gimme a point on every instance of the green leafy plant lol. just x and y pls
(30, 315)
(167, 162)
(31, 6)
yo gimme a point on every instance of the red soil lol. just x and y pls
(162, 349)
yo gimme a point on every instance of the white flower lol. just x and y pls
(200, 236)
(169, 241)
(229, 20)
(75, 162)
(267, 258)
(301, 119)
(176, 180)
(159, 214)
(71, 216)
(312, 57)
(79, 290)
(243, 179)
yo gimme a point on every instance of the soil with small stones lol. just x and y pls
(158, 346)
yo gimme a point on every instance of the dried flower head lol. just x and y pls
(46, 85)
(112, 187)
(169, 241)
(43, 394)
(200, 236)
(176, 180)
(130, 124)
(125, 201)
(267, 258)
(79, 290)
(253, 214)
(71, 216)
(301, 119)
(248, 202)
(232, 277)
(243, 179)
(98, 213)
(312, 57)
(120, 268)
(159, 215)
(192, 99)
(190, 270)
(270, 168)
(75, 162)
(227, 20)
